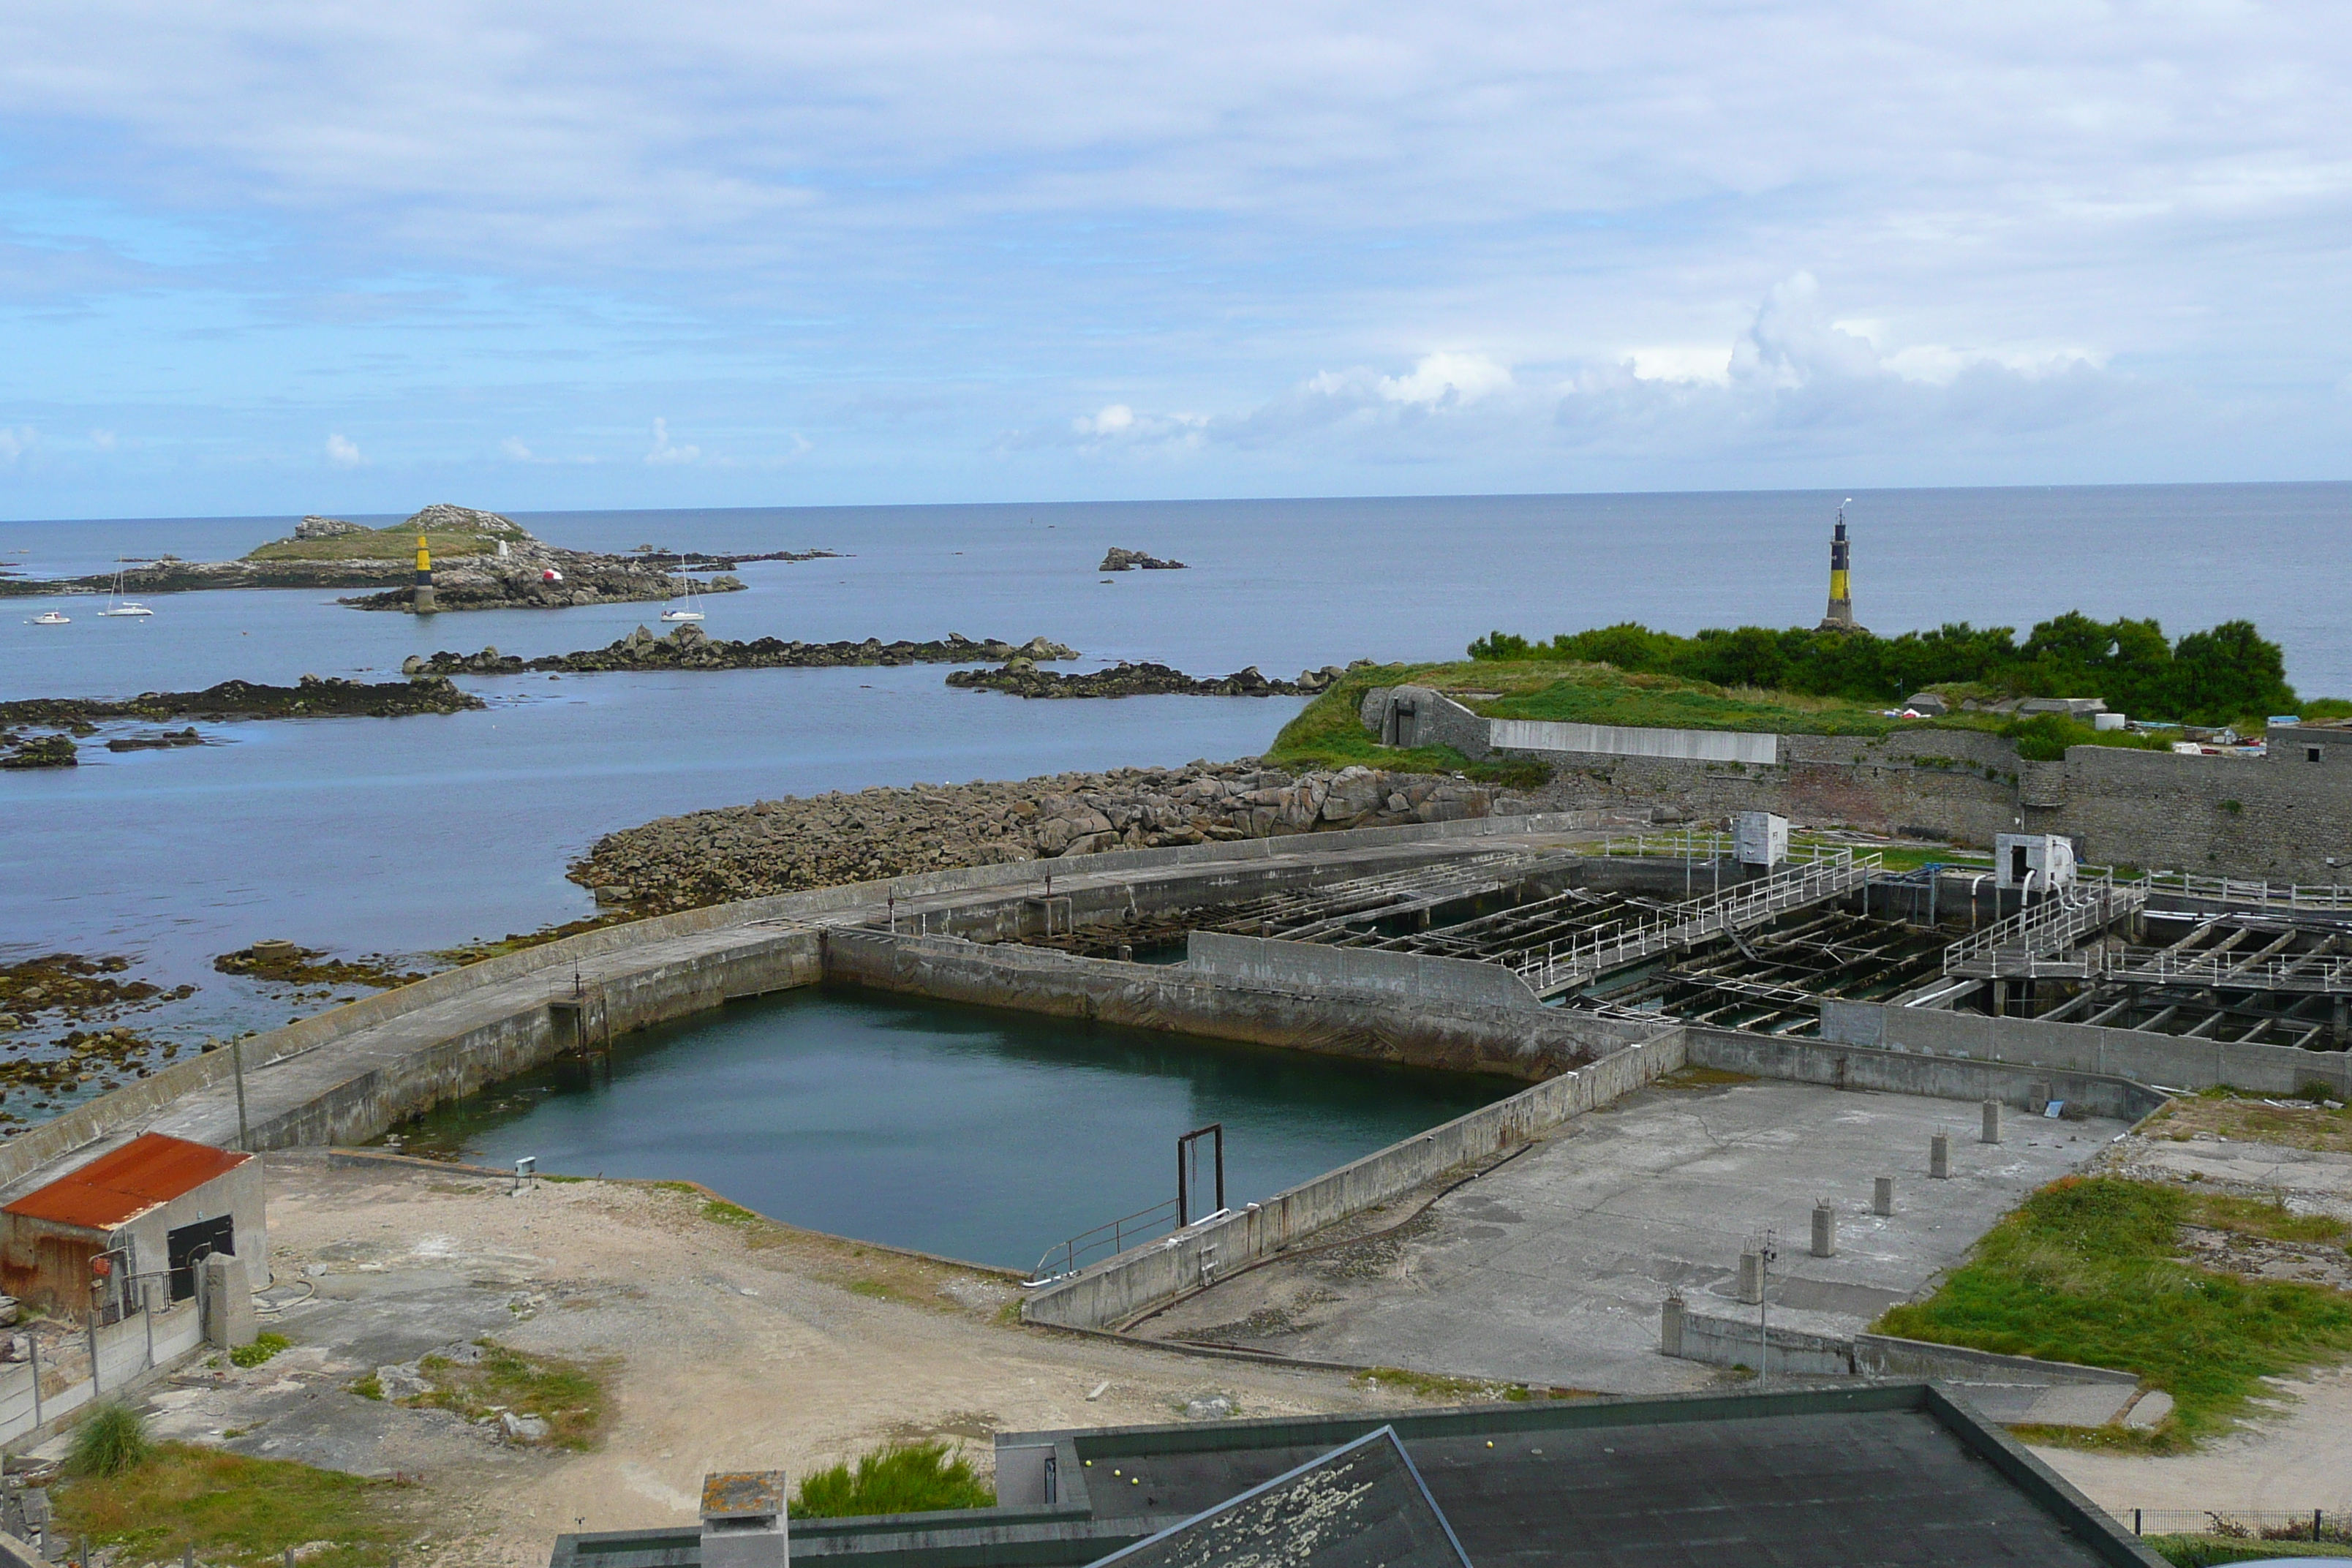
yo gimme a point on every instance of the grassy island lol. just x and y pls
(1802, 682)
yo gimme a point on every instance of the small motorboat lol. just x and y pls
(52, 618)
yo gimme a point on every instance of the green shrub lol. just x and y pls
(260, 1350)
(111, 1440)
(899, 1477)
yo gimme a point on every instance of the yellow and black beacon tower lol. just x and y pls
(1841, 616)
(423, 605)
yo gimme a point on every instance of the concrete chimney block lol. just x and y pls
(228, 1319)
(1882, 1195)
(1670, 1326)
(1751, 1278)
(743, 1522)
(1939, 1156)
(1824, 1230)
(1991, 1133)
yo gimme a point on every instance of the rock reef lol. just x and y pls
(1136, 560)
(690, 648)
(781, 845)
(1022, 677)
(313, 697)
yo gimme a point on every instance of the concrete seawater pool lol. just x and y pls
(967, 1131)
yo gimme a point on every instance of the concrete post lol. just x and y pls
(1939, 1156)
(743, 1523)
(1824, 1230)
(1751, 1278)
(1670, 1326)
(1882, 1195)
(1991, 1133)
(228, 1318)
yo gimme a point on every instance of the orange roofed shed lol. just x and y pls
(158, 1203)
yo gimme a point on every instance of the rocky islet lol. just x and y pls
(690, 648)
(1119, 560)
(1022, 677)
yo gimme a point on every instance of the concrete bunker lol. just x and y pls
(133, 1224)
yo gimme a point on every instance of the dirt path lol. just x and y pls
(732, 1343)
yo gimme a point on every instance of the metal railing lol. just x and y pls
(1689, 844)
(2041, 938)
(2238, 1523)
(1067, 1257)
(1570, 961)
(2316, 973)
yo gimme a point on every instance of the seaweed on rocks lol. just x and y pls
(690, 648)
(1022, 677)
(39, 752)
(285, 963)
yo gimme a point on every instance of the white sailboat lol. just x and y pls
(688, 613)
(121, 607)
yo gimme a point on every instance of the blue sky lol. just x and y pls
(301, 256)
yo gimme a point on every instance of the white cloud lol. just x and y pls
(1115, 419)
(664, 451)
(514, 448)
(342, 453)
(1442, 377)
(15, 443)
(104, 440)
(1681, 361)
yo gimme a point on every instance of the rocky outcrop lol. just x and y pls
(161, 740)
(1022, 677)
(1136, 560)
(39, 752)
(311, 698)
(690, 648)
(326, 528)
(780, 846)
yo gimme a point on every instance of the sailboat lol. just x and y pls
(117, 605)
(689, 613)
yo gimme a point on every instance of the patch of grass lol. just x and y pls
(517, 941)
(899, 1477)
(260, 1350)
(567, 1395)
(377, 544)
(2209, 1551)
(367, 1387)
(1437, 1386)
(230, 1507)
(110, 1440)
(719, 1211)
(873, 1288)
(2084, 1271)
(1702, 1078)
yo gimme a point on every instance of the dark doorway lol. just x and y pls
(189, 1245)
(2017, 864)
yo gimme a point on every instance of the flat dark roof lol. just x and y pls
(1869, 1477)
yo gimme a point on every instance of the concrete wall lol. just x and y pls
(1270, 963)
(2080, 1048)
(1458, 1037)
(1735, 1341)
(1847, 1066)
(123, 1355)
(1113, 1292)
(1546, 736)
(1731, 1342)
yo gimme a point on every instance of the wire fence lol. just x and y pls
(2240, 1524)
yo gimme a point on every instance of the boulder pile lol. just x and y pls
(782, 845)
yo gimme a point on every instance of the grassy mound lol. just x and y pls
(2085, 1271)
(397, 543)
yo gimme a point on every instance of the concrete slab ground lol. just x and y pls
(1551, 1268)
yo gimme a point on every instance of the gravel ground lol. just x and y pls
(730, 1346)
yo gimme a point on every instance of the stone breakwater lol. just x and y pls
(1022, 677)
(690, 648)
(782, 845)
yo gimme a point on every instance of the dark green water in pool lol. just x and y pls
(961, 1130)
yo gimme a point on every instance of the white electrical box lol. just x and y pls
(1759, 838)
(2038, 861)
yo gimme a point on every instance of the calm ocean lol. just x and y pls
(375, 835)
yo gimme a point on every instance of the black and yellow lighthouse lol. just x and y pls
(424, 603)
(1841, 613)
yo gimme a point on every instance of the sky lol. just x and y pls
(294, 255)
